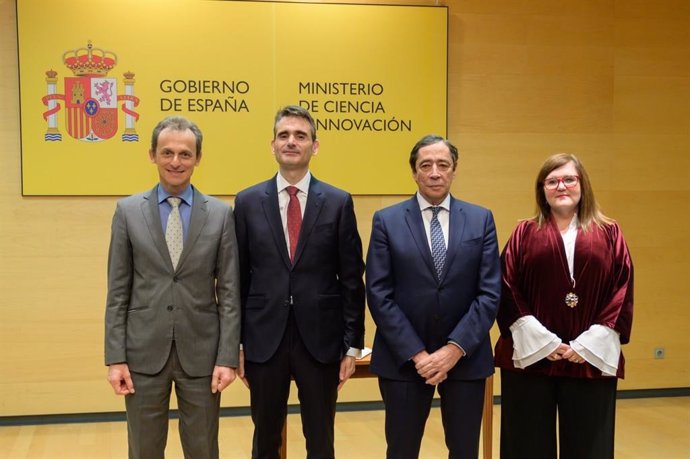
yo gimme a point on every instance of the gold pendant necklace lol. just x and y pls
(571, 298)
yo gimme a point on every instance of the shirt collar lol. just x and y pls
(302, 185)
(424, 204)
(186, 196)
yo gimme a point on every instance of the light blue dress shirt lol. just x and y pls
(187, 197)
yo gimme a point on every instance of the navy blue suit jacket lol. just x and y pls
(413, 310)
(324, 285)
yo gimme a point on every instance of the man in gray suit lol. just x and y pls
(173, 308)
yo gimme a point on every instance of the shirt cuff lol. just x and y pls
(531, 341)
(458, 346)
(601, 347)
(354, 352)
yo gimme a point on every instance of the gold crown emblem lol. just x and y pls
(89, 61)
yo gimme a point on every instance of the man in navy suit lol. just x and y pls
(302, 291)
(433, 287)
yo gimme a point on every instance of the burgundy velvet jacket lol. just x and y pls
(536, 281)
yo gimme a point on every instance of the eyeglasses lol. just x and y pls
(569, 181)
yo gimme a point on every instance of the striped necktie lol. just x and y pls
(438, 244)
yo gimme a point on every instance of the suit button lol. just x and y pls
(435, 317)
(170, 307)
(175, 279)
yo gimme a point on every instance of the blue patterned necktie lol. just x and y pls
(438, 244)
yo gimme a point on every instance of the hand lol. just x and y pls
(222, 378)
(419, 358)
(240, 370)
(120, 379)
(434, 367)
(347, 368)
(573, 356)
(558, 353)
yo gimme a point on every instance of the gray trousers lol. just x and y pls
(147, 413)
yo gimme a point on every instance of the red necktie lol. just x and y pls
(294, 220)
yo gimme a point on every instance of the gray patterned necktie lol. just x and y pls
(173, 231)
(438, 244)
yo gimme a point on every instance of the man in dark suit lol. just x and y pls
(302, 291)
(173, 306)
(433, 286)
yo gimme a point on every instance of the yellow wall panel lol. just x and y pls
(607, 80)
(354, 78)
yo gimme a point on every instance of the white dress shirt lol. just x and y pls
(284, 199)
(443, 217)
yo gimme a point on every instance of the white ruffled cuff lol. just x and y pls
(531, 341)
(601, 347)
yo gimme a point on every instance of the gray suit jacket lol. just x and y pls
(149, 304)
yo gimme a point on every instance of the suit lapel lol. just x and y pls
(197, 221)
(315, 201)
(413, 217)
(456, 226)
(269, 203)
(152, 216)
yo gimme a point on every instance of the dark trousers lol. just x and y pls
(317, 389)
(147, 413)
(530, 404)
(407, 407)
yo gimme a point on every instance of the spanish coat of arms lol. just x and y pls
(90, 98)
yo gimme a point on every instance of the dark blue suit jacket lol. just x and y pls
(413, 310)
(325, 283)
